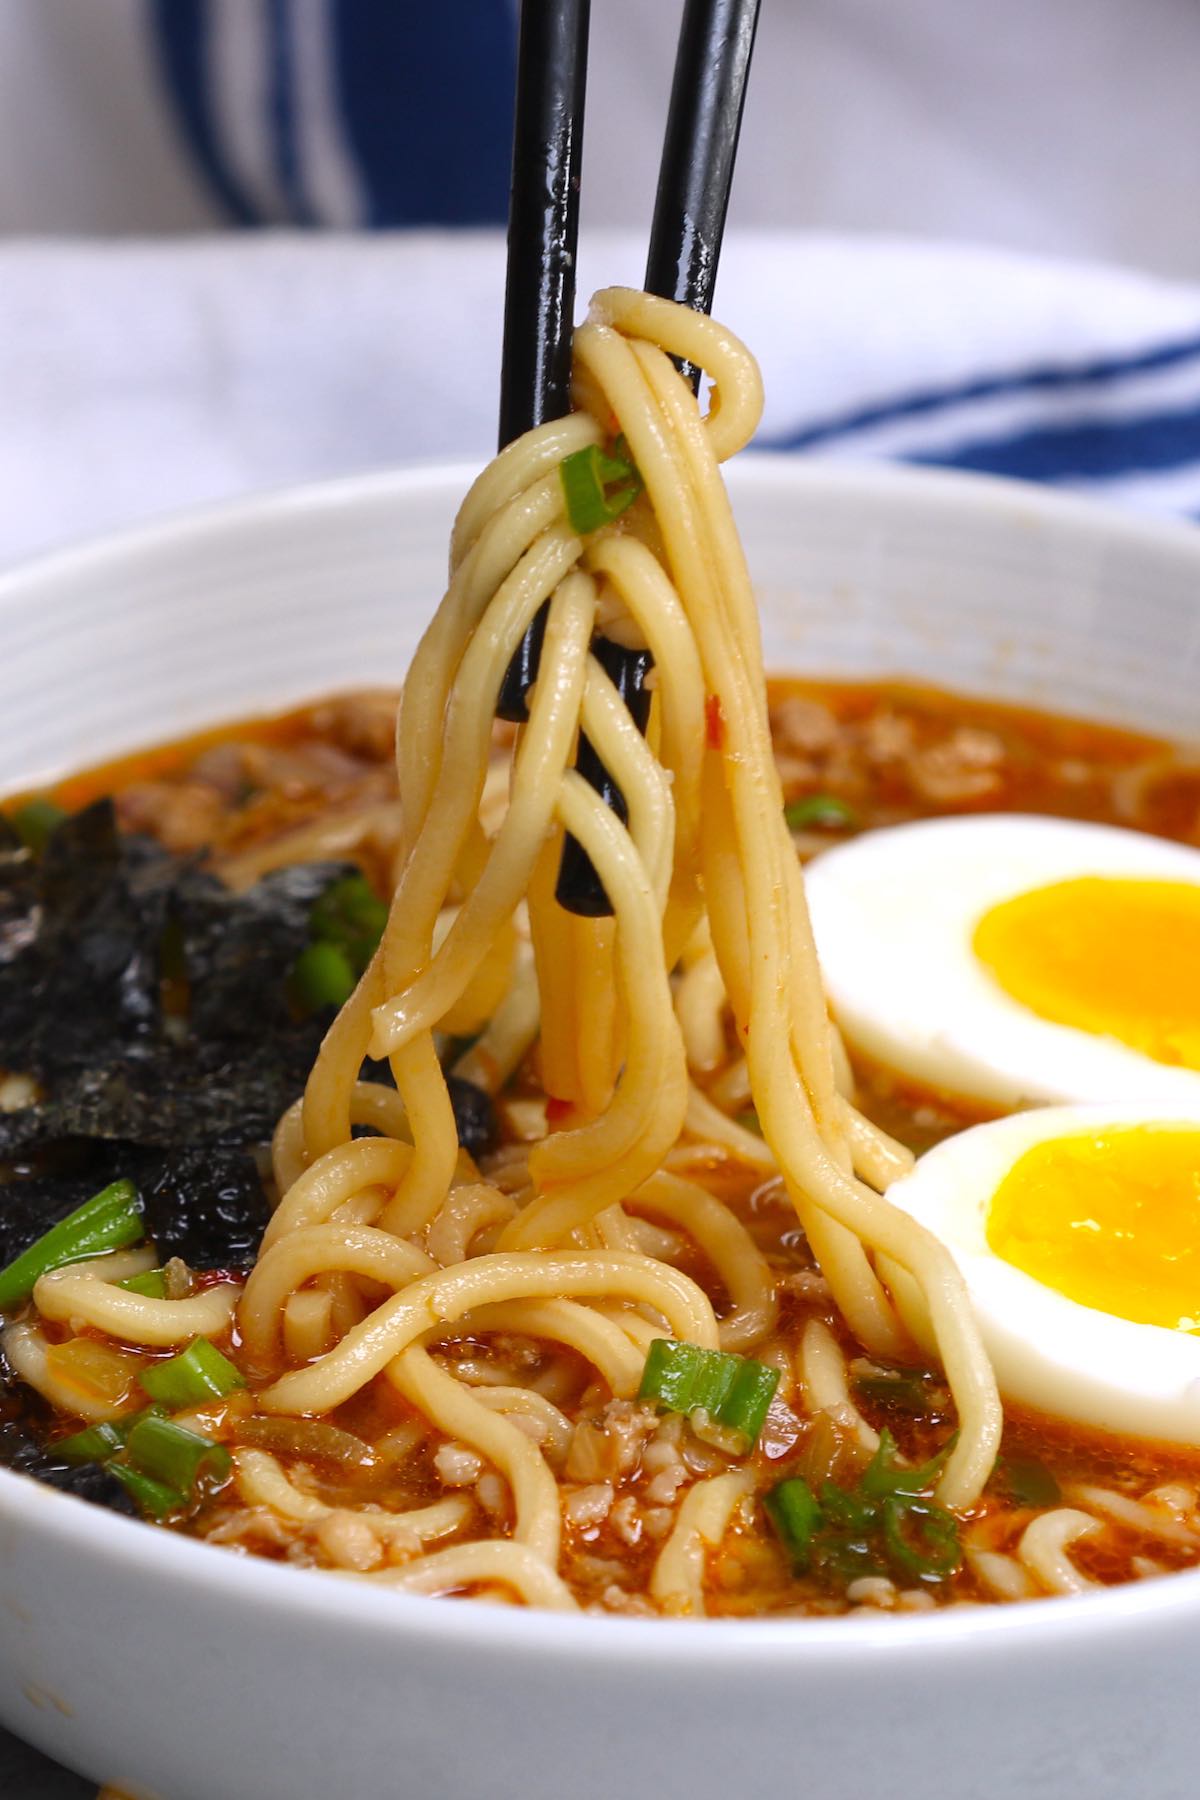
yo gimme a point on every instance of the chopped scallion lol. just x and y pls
(921, 1538)
(351, 915)
(153, 1284)
(110, 1220)
(98, 1443)
(95, 1445)
(796, 1514)
(34, 822)
(322, 975)
(197, 1374)
(179, 1458)
(733, 1390)
(586, 476)
(346, 924)
(885, 1476)
(847, 1509)
(820, 812)
(886, 1525)
(152, 1496)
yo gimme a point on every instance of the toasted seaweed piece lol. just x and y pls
(177, 1103)
(85, 988)
(80, 1006)
(173, 1094)
(206, 1206)
(174, 1104)
(87, 1481)
(474, 1115)
(19, 900)
(21, 1451)
(239, 949)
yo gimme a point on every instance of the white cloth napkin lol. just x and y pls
(138, 378)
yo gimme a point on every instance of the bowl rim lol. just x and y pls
(75, 1526)
(953, 490)
(332, 1599)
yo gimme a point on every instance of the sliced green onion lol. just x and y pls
(197, 1374)
(847, 1511)
(839, 1560)
(95, 1445)
(34, 822)
(152, 1496)
(322, 975)
(884, 1476)
(670, 1373)
(712, 1384)
(745, 1405)
(110, 1220)
(880, 1527)
(820, 812)
(98, 1443)
(585, 476)
(921, 1539)
(346, 924)
(902, 1390)
(733, 1390)
(351, 915)
(795, 1512)
(153, 1284)
(1027, 1481)
(172, 1454)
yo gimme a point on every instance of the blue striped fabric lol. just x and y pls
(1125, 426)
(179, 33)
(427, 107)
(1088, 450)
(1099, 371)
(422, 100)
(282, 112)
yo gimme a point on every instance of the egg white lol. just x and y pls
(1071, 1361)
(894, 913)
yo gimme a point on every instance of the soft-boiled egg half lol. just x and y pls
(1016, 960)
(1077, 1231)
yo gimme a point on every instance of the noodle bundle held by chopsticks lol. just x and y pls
(702, 876)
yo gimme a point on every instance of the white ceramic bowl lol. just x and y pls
(183, 1672)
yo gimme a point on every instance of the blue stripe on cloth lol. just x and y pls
(282, 111)
(426, 101)
(179, 35)
(1050, 377)
(1086, 450)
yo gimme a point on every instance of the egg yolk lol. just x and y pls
(1110, 1219)
(1118, 958)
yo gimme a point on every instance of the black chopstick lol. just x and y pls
(708, 93)
(543, 222)
(704, 120)
(579, 888)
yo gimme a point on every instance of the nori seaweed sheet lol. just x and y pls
(176, 1102)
